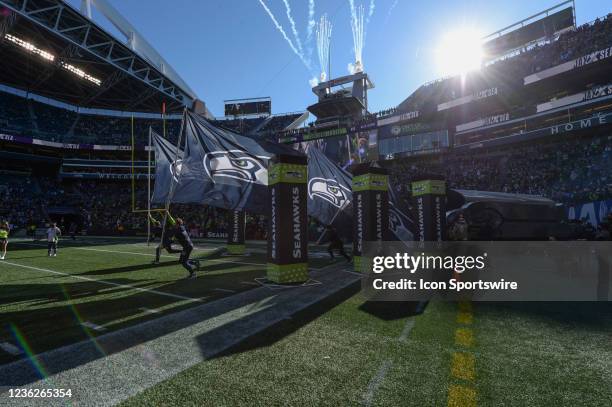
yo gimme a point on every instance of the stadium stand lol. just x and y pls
(29, 118)
(568, 169)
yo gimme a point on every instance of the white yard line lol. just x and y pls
(223, 290)
(146, 290)
(165, 255)
(148, 254)
(93, 326)
(149, 310)
(121, 252)
(376, 382)
(10, 348)
(406, 331)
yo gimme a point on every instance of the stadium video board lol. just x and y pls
(247, 107)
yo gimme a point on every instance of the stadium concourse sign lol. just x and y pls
(65, 146)
(577, 63)
(370, 211)
(479, 138)
(288, 220)
(235, 232)
(312, 135)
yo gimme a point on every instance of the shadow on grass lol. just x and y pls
(276, 332)
(392, 310)
(126, 269)
(50, 316)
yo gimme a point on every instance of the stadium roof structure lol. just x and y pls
(51, 49)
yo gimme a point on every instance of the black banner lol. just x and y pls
(235, 235)
(370, 210)
(288, 220)
(429, 202)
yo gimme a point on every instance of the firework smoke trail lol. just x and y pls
(293, 27)
(367, 22)
(311, 20)
(357, 29)
(393, 5)
(324, 31)
(284, 34)
(359, 23)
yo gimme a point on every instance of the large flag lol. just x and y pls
(169, 169)
(401, 223)
(224, 169)
(330, 198)
(329, 192)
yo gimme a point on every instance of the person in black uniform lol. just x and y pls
(156, 229)
(167, 237)
(72, 230)
(182, 237)
(335, 243)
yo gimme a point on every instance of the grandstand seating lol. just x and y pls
(279, 122)
(30, 118)
(566, 169)
(570, 171)
(585, 39)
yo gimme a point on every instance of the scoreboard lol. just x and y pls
(248, 107)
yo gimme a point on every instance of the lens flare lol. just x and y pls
(23, 344)
(459, 52)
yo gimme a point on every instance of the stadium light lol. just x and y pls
(50, 57)
(80, 73)
(459, 52)
(29, 47)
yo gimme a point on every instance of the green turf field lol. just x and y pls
(97, 285)
(340, 352)
(518, 355)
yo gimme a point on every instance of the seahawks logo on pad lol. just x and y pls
(329, 190)
(236, 164)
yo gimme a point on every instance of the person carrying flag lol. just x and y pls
(176, 230)
(167, 237)
(183, 238)
(335, 243)
(156, 229)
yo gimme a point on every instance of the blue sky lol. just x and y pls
(227, 49)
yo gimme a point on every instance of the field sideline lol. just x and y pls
(97, 285)
(340, 352)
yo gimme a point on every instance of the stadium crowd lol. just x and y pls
(511, 70)
(571, 171)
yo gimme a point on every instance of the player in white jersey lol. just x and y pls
(53, 234)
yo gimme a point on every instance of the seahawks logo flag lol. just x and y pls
(401, 224)
(329, 192)
(330, 198)
(224, 169)
(169, 169)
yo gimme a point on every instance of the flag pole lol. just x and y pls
(331, 222)
(172, 183)
(149, 191)
(133, 181)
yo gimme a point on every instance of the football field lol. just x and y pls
(339, 351)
